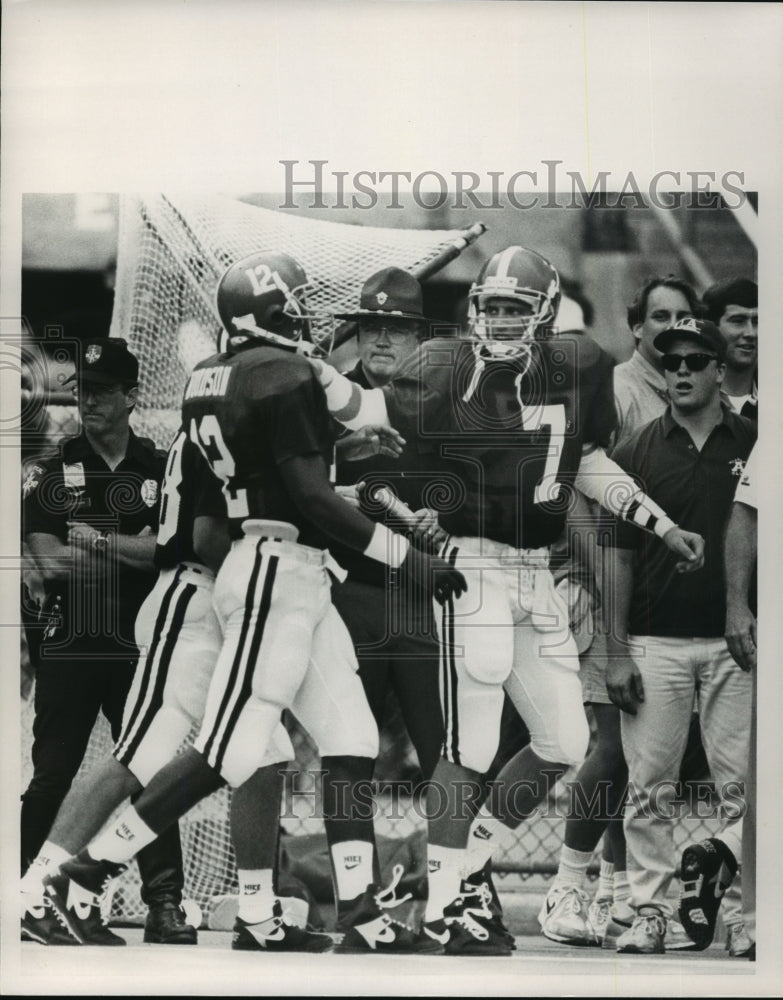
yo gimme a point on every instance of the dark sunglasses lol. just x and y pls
(693, 362)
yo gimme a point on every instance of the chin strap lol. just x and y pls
(478, 368)
(481, 364)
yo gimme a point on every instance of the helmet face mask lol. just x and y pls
(517, 292)
(264, 296)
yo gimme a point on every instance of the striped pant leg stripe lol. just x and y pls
(255, 645)
(444, 678)
(167, 651)
(230, 692)
(449, 671)
(151, 665)
(452, 667)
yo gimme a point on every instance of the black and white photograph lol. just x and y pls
(390, 533)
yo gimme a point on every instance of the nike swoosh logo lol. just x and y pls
(441, 938)
(721, 881)
(354, 865)
(275, 935)
(79, 907)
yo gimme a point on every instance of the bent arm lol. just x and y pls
(52, 557)
(137, 551)
(602, 479)
(348, 403)
(307, 482)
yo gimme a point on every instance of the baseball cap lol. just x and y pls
(701, 331)
(106, 361)
(390, 292)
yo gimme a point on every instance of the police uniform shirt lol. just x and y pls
(503, 436)
(696, 489)
(77, 485)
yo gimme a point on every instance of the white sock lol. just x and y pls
(572, 870)
(123, 839)
(256, 895)
(621, 887)
(445, 866)
(47, 861)
(606, 881)
(352, 865)
(486, 835)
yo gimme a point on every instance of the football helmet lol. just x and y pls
(516, 293)
(264, 296)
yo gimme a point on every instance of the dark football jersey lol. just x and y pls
(189, 490)
(249, 410)
(504, 440)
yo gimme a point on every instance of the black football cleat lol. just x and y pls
(473, 929)
(84, 920)
(370, 930)
(276, 934)
(484, 876)
(41, 923)
(166, 924)
(707, 871)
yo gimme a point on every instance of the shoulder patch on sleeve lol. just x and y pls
(32, 479)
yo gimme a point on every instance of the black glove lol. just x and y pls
(425, 569)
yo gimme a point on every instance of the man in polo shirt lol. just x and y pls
(639, 383)
(733, 308)
(89, 517)
(666, 644)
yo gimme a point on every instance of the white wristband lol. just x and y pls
(387, 546)
(662, 525)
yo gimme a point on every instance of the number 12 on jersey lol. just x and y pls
(208, 437)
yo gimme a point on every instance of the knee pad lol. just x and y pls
(357, 739)
(568, 745)
(237, 750)
(146, 755)
(472, 738)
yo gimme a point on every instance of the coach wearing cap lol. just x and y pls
(90, 515)
(667, 643)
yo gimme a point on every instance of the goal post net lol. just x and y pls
(173, 250)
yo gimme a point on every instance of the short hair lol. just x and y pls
(734, 292)
(637, 310)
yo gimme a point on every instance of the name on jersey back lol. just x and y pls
(208, 382)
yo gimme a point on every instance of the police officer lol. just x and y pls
(90, 515)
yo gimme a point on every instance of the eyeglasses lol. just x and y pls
(395, 334)
(693, 362)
